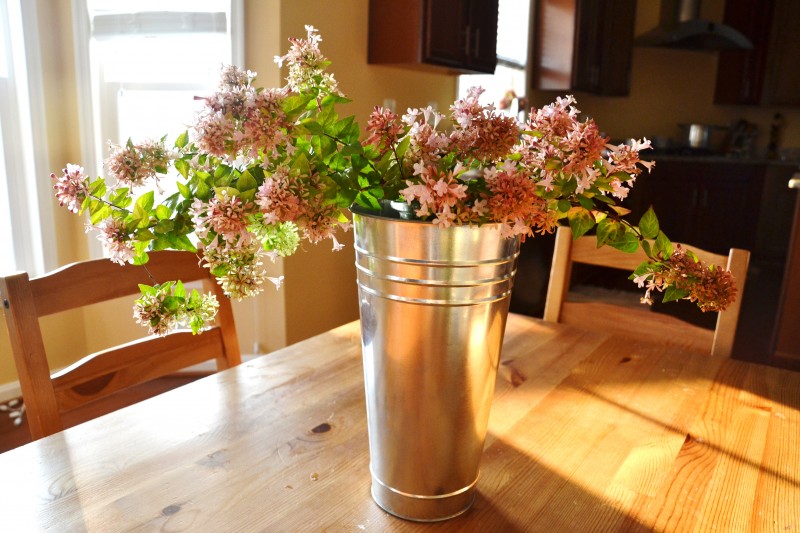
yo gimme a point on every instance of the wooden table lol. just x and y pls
(589, 432)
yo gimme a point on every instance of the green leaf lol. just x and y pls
(229, 191)
(180, 290)
(648, 224)
(587, 203)
(626, 241)
(673, 293)
(402, 147)
(607, 230)
(182, 140)
(580, 220)
(100, 214)
(172, 303)
(646, 247)
(141, 258)
(219, 270)
(313, 127)
(146, 201)
(664, 245)
(246, 182)
(147, 290)
(163, 212)
(182, 167)
(564, 206)
(364, 199)
(295, 104)
(184, 190)
(182, 242)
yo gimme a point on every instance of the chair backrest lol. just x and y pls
(100, 374)
(608, 316)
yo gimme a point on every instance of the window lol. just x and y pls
(510, 76)
(144, 62)
(25, 230)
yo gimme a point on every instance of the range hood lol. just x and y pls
(681, 27)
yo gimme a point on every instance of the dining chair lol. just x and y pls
(609, 314)
(48, 395)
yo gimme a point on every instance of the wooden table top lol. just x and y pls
(588, 432)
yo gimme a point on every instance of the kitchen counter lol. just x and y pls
(718, 158)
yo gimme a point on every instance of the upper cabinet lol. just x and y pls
(459, 35)
(584, 45)
(768, 73)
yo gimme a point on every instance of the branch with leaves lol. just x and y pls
(263, 169)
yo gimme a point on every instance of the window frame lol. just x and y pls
(25, 150)
(90, 104)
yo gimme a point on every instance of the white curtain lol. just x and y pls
(26, 232)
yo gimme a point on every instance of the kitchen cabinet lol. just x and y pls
(767, 74)
(456, 35)
(711, 205)
(584, 45)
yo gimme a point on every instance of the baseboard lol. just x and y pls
(11, 390)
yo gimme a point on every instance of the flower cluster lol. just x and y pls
(489, 168)
(683, 275)
(263, 169)
(165, 307)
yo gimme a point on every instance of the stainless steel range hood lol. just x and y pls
(681, 27)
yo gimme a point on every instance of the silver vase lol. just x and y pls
(434, 303)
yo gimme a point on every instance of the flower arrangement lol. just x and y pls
(263, 169)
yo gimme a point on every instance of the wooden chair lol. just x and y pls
(100, 374)
(639, 318)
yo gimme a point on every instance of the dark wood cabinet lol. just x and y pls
(458, 35)
(584, 45)
(711, 205)
(767, 74)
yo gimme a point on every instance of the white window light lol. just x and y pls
(26, 230)
(513, 23)
(143, 62)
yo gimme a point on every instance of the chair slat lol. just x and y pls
(618, 318)
(104, 373)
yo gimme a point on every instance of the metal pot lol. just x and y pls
(703, 136)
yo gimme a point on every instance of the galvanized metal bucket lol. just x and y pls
(434, 303)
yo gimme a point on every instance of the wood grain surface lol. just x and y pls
(589, 432)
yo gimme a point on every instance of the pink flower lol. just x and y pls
(307, 65)
(116, 240)
(625, 158)
(480, 132)
(226, 216)
(383, 128)
(439, 194)
(278, 198)
(133, 164)
(71, 187)
(240, 121)
(513, 201)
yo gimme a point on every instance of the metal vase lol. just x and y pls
(434, 303)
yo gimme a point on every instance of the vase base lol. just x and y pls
(419, 508)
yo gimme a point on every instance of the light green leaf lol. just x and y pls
(673, 293)
(648, 224)
(607, 230)
(246, 182)
(580, 220)
(163, 212)
(182, 140)
(663, 244)
(626, 241)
